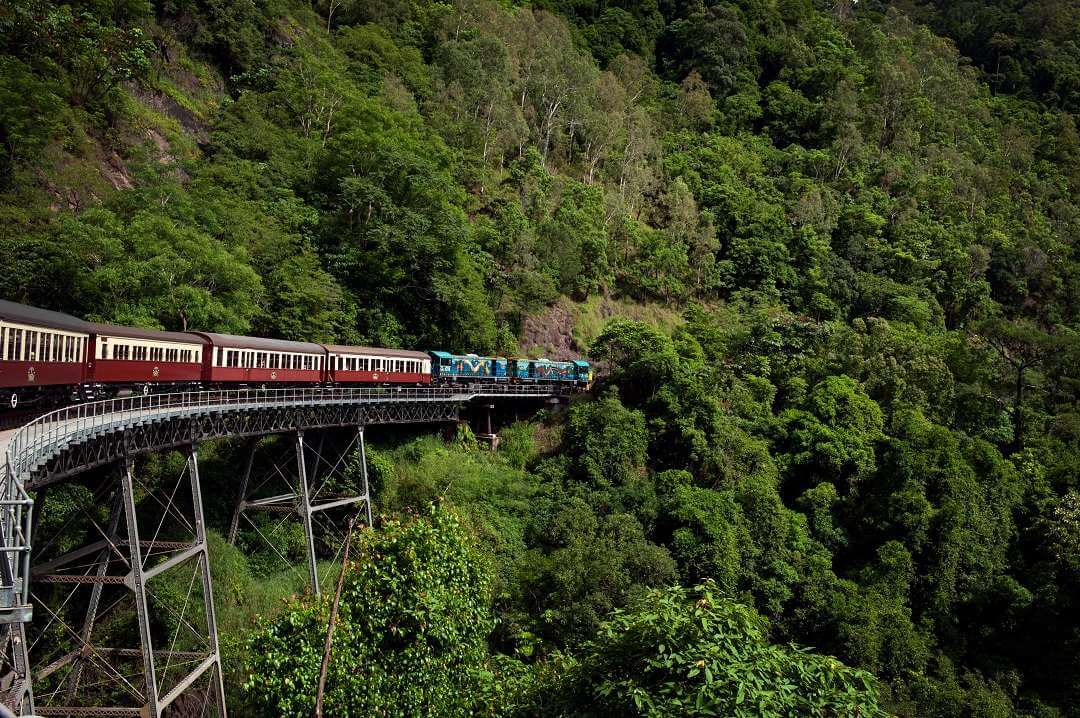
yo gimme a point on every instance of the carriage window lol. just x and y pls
(46, 346)
(260, 360)
(58, 345)
(3, 343)
(15, 345)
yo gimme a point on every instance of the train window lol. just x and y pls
(15, 345)
(31, 345)
(3, 343)
(69, 349)
(46, 346)
(58, 342)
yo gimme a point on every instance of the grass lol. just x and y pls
(591, 315)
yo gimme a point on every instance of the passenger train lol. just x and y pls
(51, 358)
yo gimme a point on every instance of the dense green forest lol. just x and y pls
(824, 251)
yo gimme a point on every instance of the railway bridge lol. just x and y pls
(92, 584)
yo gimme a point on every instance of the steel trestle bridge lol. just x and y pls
(147, 679)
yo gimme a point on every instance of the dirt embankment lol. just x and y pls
(550, 335)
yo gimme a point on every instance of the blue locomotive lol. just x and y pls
(470, 368)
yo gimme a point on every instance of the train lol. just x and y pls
(48, 357)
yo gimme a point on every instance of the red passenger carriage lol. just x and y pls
(42, 353)
(145, 359)
(252, 360)
(369, 365)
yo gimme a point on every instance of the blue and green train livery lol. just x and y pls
(447, 368)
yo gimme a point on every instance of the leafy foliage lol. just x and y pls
(411, 632)
(693, 652)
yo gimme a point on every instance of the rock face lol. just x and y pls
(551, 335)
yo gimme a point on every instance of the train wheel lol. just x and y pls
(14, 401)
(146, 390)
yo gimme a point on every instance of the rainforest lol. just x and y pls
(824, 256)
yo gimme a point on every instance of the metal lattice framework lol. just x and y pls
(68, 442)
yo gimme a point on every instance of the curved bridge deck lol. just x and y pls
(68, 441)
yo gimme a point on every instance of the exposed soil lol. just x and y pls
(551, 335)
(115, 171)
(161, 102)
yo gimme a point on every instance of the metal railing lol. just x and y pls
(38, 441)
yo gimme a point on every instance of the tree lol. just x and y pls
(411, 633)
(694, 652)
(1023, 346)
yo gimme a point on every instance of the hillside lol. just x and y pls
(825, 250)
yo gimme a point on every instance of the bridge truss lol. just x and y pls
(139, 581)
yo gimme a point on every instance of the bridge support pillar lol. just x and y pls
(323, 480)
(488, 435)
(17, 690)
(181, 663)
(305, 513)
